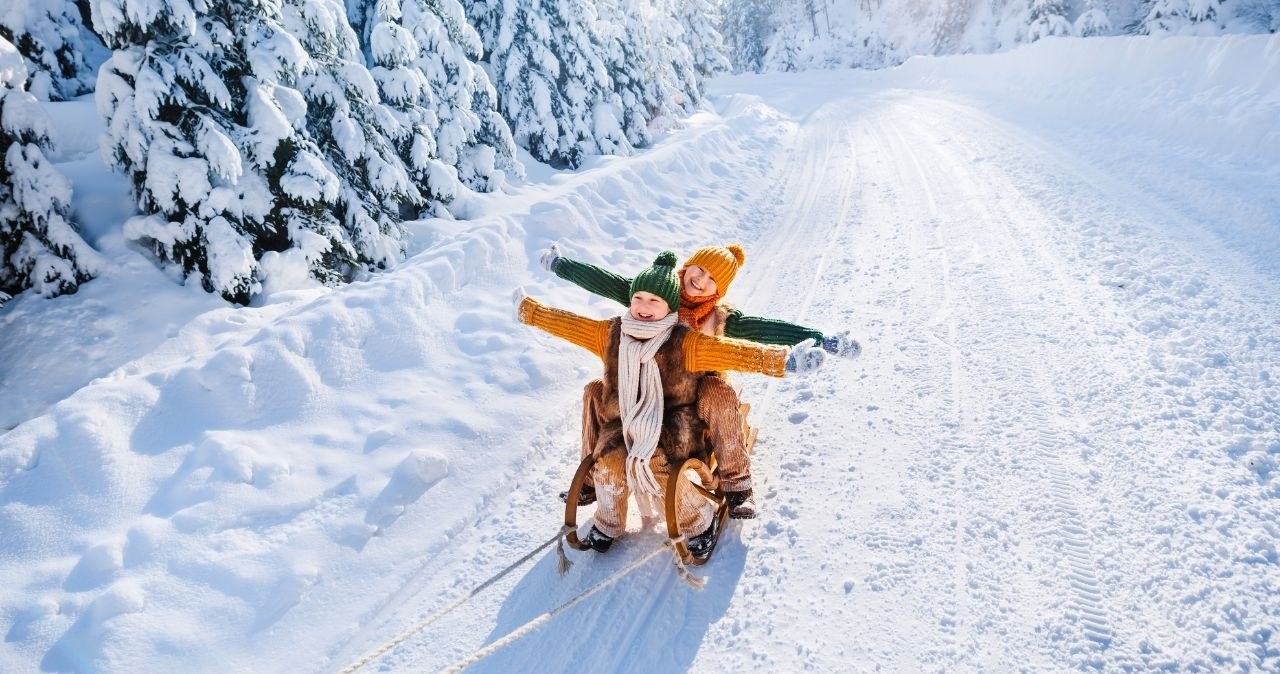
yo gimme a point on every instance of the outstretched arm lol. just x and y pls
(587, 333)
(703, 352)
(767, 330)
(589, 277)
(774, 331)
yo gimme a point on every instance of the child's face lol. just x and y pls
(696, 282)
(645, 306)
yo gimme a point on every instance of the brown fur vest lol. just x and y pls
(682, 431)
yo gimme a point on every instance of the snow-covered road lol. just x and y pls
(1059, 450)
(1055, 452)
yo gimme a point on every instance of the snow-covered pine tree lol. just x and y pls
(1046, 18)
(748, 27)
(1093, 20)
(649, 63)
(64, 54)
(949, 24)
(423, 55)
(625, 37)
(1181, 16)
(208, 112)
(679, 87)
(706, 44)
(198, 117)
(346, 119)
(544, 57)
(39, 247)
(784, 50)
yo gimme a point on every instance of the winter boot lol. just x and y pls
(586, 495)
(742, 505)
(598, 540)
(700, 546)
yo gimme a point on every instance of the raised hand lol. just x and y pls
(841, 344)
(549, 257)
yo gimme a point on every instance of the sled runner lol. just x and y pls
(700, 473)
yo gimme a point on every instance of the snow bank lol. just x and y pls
(1219, 95)
(1215, 95)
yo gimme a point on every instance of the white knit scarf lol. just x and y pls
(640, 402)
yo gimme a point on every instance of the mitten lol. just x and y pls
(805, 357)
(841, 344)
(517, 298)
(550, 257)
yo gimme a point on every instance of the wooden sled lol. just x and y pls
(707, 484)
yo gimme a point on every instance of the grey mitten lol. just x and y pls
(550, 257)
(805, 357)
(841, 344)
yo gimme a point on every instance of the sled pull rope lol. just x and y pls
(422, 624)
(545, 617)
(695, 582)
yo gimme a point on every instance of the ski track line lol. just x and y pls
(385, 616)
(1073, 534)
(934, 307)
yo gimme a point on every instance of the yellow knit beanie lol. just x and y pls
(721, 262)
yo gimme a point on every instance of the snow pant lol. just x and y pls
(717, 407)
(694, 512)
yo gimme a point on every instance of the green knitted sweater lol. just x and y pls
(607, 284)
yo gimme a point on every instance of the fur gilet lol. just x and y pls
(682, 430)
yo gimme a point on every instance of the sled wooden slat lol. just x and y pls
(571, 503)
(706, 475)
(707, 485)
(748, 433)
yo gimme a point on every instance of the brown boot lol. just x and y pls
(742, 505)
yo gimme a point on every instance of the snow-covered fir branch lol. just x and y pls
(39, 247)
(62, 53)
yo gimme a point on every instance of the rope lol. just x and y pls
(542, 619)
(695, 582)
(421, 625)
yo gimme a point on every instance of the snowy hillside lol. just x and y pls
(1059, 450)
(789, 35)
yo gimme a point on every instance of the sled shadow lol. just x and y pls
(648, 621)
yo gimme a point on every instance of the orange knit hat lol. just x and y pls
(722, 262)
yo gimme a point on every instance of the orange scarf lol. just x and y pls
(695, 310)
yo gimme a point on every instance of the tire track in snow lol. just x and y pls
(1026, 379)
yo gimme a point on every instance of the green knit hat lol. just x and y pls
(660, 279)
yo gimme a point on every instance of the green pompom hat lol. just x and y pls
(660, 279)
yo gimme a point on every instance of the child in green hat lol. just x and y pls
(647, 419)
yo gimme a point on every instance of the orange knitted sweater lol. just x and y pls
(701, 352)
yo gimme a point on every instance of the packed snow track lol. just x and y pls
(1054, 453)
